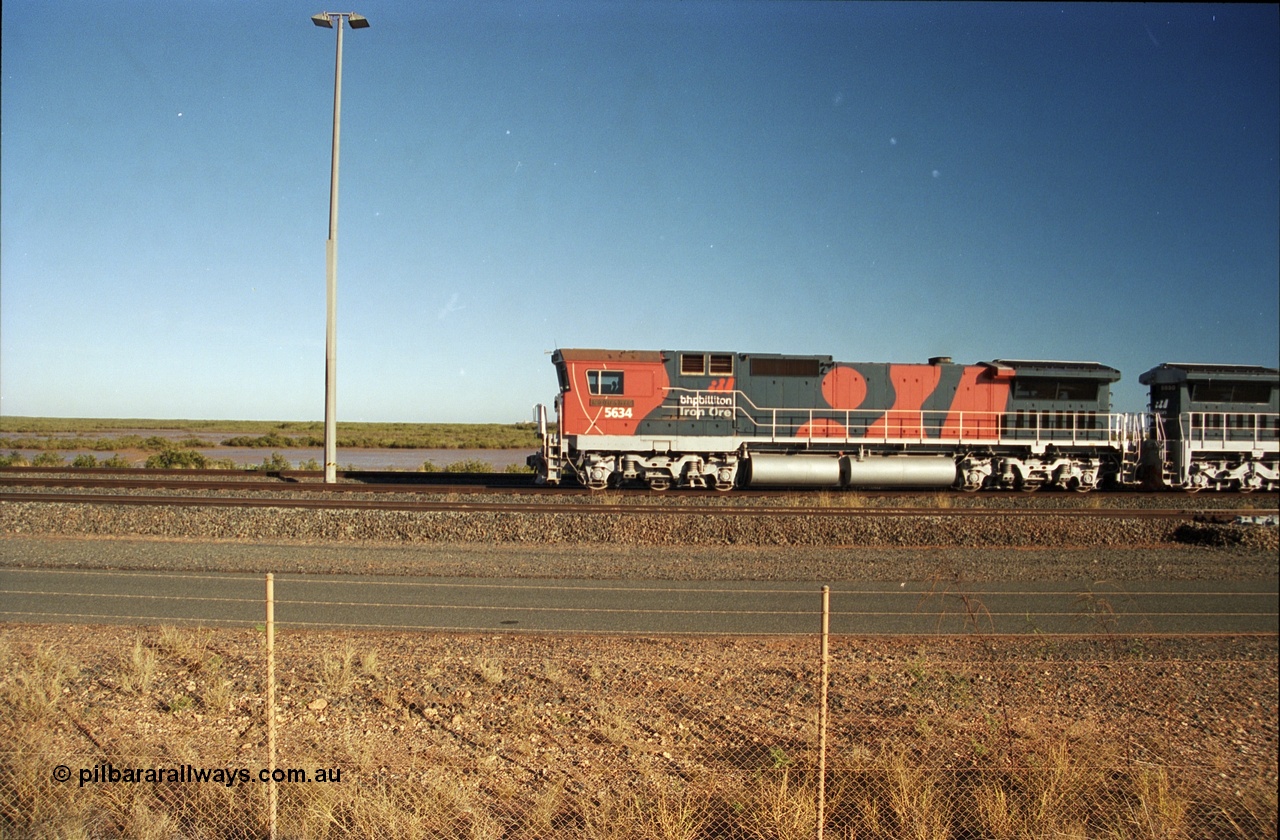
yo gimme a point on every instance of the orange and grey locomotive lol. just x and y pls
(723, 420)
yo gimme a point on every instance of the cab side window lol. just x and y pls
(602, 382)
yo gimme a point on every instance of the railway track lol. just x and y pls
(521, 483)
(600, 509)
(415, 492)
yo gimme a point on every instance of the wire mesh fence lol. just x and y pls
(892, 801)
(166, 732)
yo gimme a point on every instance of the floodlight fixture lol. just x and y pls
(327, 20)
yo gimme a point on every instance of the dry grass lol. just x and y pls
(33, 683)
(183, 644)
(138, 673)
(370, 666)
(489, 671)
(903, 802)
(646, 740)
(337, 672)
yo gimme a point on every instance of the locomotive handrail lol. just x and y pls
(1228, 428)
(829, 425)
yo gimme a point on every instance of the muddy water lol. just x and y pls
(356, 459)
(376, 459)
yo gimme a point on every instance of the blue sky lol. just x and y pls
(876, 182)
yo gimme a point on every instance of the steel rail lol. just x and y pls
(591, 508)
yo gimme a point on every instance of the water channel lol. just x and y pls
(348, 458)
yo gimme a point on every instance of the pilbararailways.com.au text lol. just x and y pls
(108, 773)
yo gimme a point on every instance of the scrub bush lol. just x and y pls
(177, 459)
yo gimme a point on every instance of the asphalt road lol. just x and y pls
(79, 596)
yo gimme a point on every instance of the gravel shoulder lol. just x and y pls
(609, 562)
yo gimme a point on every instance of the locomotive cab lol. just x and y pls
(1055, 429)
(1057, 402)
(604, 394)
(1212, 427)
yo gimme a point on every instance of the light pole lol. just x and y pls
(327, 20)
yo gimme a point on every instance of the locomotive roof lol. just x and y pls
(588, 355)
(1045, 367)
(1172, 373)
(1040, 367)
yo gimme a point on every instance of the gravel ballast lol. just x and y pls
(705, 546)
(706, 528)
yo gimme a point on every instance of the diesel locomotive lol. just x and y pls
(1211, 427)
(721, 420)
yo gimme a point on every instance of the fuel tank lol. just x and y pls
(897, 471)
(848, 471)
(792, 471)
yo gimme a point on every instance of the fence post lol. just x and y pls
(822, 713)
(271, 704)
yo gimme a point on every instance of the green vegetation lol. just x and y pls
(150, 444)
(179, 448)
(276, 463)
(470, 465)
(51, 433)
(273, 440)
(177, 459)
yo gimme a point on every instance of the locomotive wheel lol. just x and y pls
(970, 481)
(597, 477)
(1078, 484)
